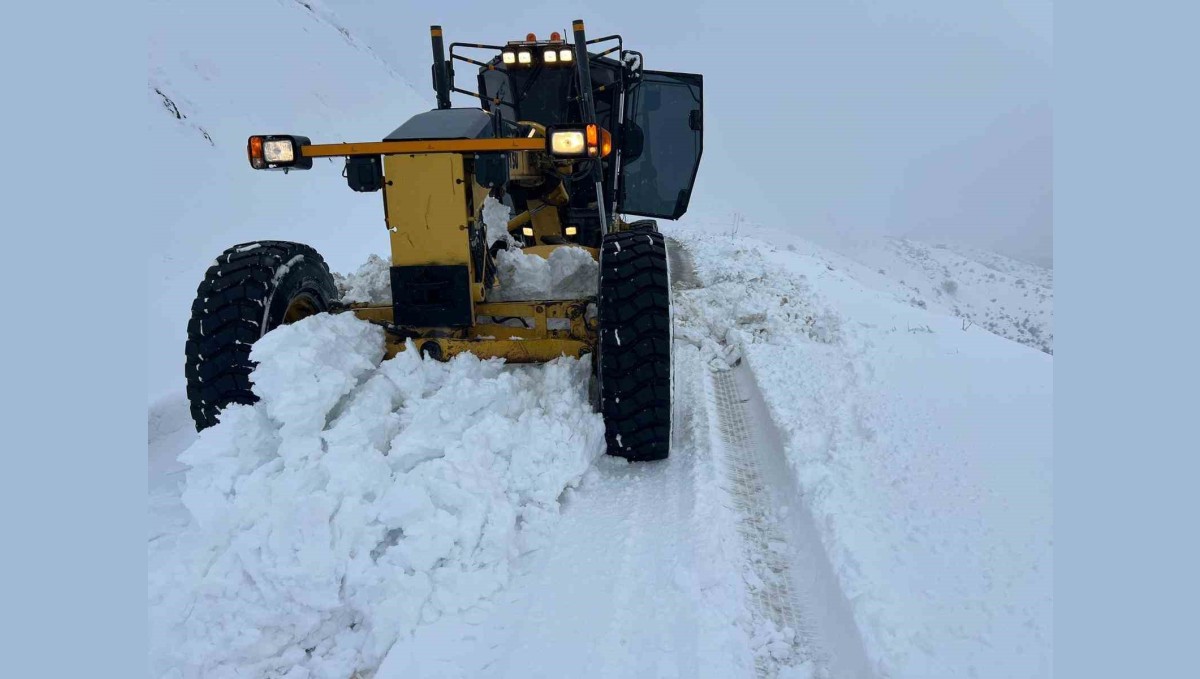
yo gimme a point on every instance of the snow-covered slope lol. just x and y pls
(922, 451)
(1011, 298)
(219, 71)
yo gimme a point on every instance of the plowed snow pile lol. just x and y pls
(358, 499)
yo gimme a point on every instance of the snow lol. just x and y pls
(357, 500)
(213, 81)
(640, 578)
(495, 218)
(416, 518)
(922, 451)
(422, 519)
(371, 283)
(567, 273)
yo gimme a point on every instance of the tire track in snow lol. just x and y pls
(783, 634)
(829, 633)
(802, 624)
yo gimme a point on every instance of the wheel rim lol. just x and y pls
(300, 306)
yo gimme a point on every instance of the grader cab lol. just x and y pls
(573, 142)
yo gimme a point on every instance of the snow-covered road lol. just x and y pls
(673, 569)
(457, 519)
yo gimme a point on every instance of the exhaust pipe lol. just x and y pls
(441, 74)
(583, 65)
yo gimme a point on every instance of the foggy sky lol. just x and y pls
(929, 119)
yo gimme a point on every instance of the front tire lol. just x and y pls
(248, 291)
(634, 362)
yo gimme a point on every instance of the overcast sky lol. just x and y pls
(929, 118)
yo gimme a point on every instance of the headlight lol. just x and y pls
(550, 56)
(570, 231)
(565, 55)
(510, 57)
(579, 142)
(279, 151)
(567, 143)
(525, 57)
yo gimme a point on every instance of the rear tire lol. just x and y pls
(634, 362)
(248, 291)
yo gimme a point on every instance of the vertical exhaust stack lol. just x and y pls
(441, 73)
(583, 65)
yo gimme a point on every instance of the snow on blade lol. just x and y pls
(568, 273)
(357, 500)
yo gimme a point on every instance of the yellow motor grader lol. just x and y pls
(572, 141)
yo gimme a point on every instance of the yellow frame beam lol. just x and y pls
(374, 148)
(512, 351)
(575, 334)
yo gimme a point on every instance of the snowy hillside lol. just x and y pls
(1010, 298)
(219, 71)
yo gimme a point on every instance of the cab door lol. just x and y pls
(664, 116)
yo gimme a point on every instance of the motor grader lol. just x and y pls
(573, 141)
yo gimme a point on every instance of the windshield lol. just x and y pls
(548, 95)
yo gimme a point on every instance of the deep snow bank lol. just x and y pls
(923, 452)
(357, 499)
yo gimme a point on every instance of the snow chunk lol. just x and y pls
(495, 217)
(371, 284)
(568, 273)
(357, 500)
(305, 370)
